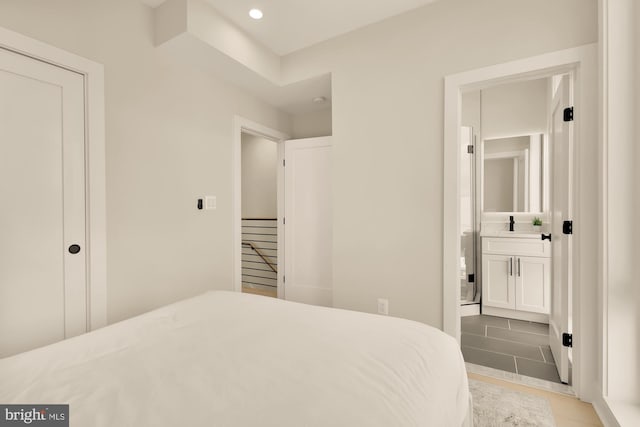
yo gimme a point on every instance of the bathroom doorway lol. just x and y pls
(515, 271)
(510, 169)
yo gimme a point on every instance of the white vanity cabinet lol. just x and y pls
(499, 284)
(516, 277)
(533, 284)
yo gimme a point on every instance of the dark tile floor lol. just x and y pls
(509, 345)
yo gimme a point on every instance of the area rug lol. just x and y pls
(495, 406)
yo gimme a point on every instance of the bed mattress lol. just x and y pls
(231, 359)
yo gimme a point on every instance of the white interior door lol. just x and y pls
(42, 189)
(308, 228)
(562, 169)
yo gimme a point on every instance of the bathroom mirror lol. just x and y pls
(514, 174)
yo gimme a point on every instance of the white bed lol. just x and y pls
(231, 359)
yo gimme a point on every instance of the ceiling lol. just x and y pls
(289, 25)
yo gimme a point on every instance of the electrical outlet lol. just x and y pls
(383, 306)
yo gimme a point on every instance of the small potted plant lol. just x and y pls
(537, 224)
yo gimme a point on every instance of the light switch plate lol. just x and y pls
(210, 202)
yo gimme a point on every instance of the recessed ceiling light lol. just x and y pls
(255, 13)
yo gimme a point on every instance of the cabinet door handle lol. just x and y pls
(518, 267)
(511, 266)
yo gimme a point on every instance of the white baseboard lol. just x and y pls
(604, 412)
(469, 310)
(617, 414)
(515, 314)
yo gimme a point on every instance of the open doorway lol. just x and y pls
(258, 209)
(292, 248)
(512, 169)
(568, 310)
(260, 256)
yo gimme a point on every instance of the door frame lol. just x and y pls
(582, 61)
(96, 237)
(242, 125)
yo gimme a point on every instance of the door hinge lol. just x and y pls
(284, 279)
(284, 163)
(568, 114)
(567, 227)
(567, 340)
(284, 221)
(472, 278)
(470, 149)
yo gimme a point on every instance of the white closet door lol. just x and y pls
(42, 192)
(308, 229)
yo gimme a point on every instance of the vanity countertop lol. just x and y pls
(512, 234)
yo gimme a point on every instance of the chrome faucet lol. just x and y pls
(511, 223)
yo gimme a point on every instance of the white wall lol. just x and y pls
(259, 177)
(169, 140)
(515, 109)
(471, 105)
(621, 112)
(636, 289)
(313, 124)
(502, 145)
(387, 98)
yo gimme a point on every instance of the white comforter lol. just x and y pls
(230, 359)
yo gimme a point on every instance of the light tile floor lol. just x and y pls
(509, 345)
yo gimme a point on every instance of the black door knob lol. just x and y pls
(74, 249)
(546, 237)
